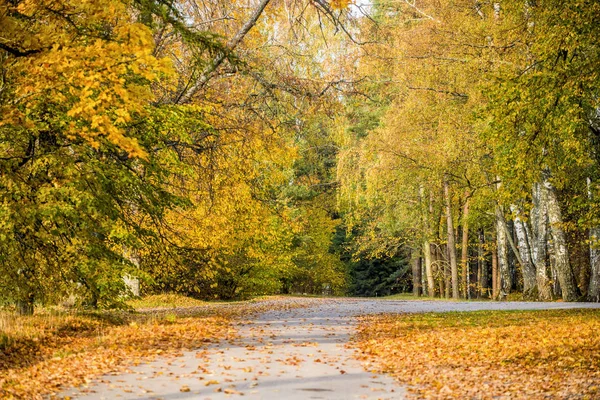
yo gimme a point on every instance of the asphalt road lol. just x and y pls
(300, 353)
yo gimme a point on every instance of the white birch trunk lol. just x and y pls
(523, 240)
(561, 253)
(502, 245)
(594, 236)
(464, 258)
(594, 286)
(428, 268)
(426, 243)
(539, 234)
(451, 241)
(132, 283)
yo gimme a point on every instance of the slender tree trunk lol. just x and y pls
(441, 267)
(451, 241)
(442, 279)
(131, 282)
(495, 286)
(594, 286)
(464, 257)
(436, 267)
(594, 236)
(25, 305)
(447, 275)
(416, 270)
(515, 260)
(566, 278)
(427, 210)
(555, 284)
(481, 266)
(525, 259)
(539, 233)
(438, 220)
(502, 250)
(424, 287)
(428, 268)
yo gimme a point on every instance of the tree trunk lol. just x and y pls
(416, 270)
(525, 259)
(428, 268)
(436, 267)
(482, 285)
(464, 257)
(594, 286)
(593, 293)
(451, 241)
(502, 250)
(131, 282)
(539, 234)
(495, 286)
(442, 282)
(426, 212)
(566, 278)
(25, 306)
(555, 284)
(447, 275)
(423, 278)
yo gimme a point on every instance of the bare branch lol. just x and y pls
(187, 95)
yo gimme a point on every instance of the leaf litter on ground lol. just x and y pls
(485, 355)
(50, 351)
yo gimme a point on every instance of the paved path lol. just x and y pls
(293, 354)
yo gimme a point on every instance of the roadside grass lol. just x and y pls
(488, 354)
(168, 300)
(512, 297)
(410, 296)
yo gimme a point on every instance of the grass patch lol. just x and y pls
(410, 296)
(165, 301)
(490, 354)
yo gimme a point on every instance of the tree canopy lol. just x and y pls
(230, 149)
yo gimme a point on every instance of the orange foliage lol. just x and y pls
(77, 349)
(43, 354)
(484, 355)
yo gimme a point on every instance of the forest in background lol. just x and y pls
(224, 149)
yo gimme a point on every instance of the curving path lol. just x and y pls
(294, 354)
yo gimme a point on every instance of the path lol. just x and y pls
(293, 354)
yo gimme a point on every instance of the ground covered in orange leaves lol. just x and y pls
(484, 355)
(43, 353)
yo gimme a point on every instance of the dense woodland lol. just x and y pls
(225, 149)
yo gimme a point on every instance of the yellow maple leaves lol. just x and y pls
(87, 59)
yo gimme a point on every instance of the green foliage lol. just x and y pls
(370, 275)
(82, 169)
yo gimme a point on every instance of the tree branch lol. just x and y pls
(17, 52)
(186, 96)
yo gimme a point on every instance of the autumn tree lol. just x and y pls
(491, 110)
(80, 171)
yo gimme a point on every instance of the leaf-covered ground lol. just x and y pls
(48, 351)
(484, 355)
